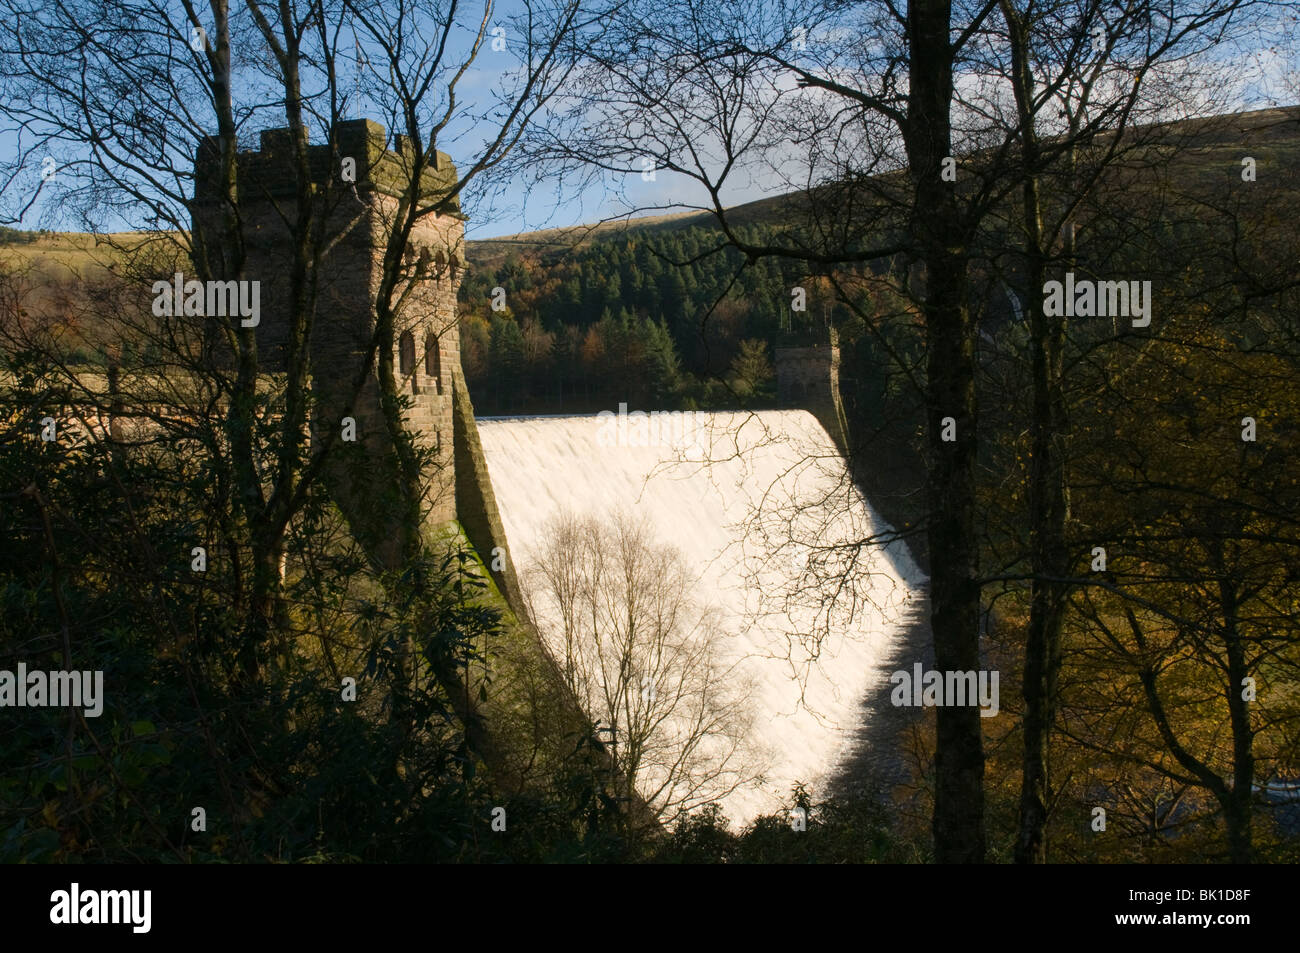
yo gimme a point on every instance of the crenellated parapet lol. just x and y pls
(271, 172)
(357, 183)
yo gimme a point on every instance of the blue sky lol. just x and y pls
(509, 207)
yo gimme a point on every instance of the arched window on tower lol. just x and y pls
(433, 362)
(406, 357)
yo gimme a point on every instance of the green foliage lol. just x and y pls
(14, 236)
(254, 731)
(752, 376)
(856, 830)
(632, 318)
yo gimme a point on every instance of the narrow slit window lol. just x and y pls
(433, 362)
(406, 356)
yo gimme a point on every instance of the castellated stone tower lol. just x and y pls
(808, 377)
(426, 339)
(531, 716)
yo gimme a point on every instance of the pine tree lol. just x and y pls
(507, 361)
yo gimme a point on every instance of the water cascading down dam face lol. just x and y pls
(779, 585)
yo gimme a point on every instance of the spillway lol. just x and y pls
(778, 540)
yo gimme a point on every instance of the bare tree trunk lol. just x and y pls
(1047, 498)
(226, 259)
(1237, 802)
(955, 593)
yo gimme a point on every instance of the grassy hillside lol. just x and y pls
(65, 255)
(578, 301)
(1273, 135)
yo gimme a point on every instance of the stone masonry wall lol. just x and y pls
(476, 502)
(360, 215)
(809, 377)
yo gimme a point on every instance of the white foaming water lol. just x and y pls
(762, 507)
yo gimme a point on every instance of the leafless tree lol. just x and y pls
(646, 659)
(854, 112)
(108, 105)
